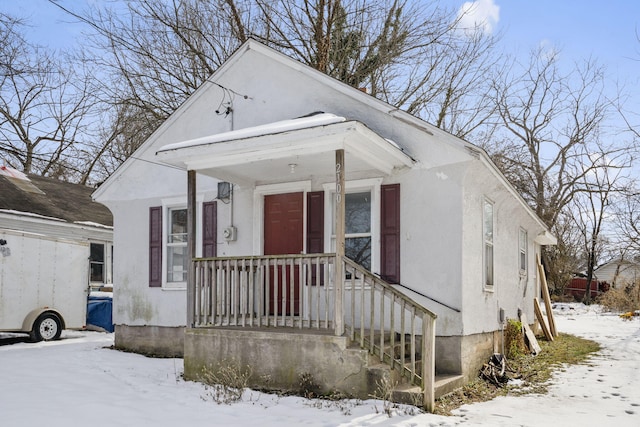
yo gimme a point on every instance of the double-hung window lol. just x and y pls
(362, 219)
(522, 258)
(488, 225)
(357, 243)
(177, 256)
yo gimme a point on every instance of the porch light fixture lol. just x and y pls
(292, 167)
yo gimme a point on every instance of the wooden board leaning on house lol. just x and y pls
(534, 347)
(542, 320)
(547, 299)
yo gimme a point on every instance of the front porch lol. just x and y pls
(281, 316)
(290, 310)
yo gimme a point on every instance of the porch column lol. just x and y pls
(339, 221)
(191, 246)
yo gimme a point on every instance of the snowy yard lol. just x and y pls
(77, 381)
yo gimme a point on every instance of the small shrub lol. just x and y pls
(227, 381)
(514, 340)
(621, 299)
(309, 387)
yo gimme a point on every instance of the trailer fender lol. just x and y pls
(27, 324)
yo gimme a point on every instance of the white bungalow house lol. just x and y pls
(290, 222)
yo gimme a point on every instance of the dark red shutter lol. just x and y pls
(390, 233)
(315, 222)
(315, 228)
(155, 246)
(209, 229)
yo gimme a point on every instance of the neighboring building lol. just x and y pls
(619, 272)
(59, 209)
(427, 212)
(56, 244)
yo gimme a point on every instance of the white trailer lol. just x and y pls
(43, 284)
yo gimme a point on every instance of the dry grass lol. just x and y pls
(621, 299)
(534, 371)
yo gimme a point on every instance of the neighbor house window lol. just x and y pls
(100, 262)
(96, 262)
(523, 251)
(177, 256)
(487, 214)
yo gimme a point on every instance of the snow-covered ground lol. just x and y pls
(79, 381)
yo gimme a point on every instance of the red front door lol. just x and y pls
(283, 234)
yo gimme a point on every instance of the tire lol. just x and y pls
(47, 327)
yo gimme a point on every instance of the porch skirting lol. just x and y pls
(278, 357)
(160, 341)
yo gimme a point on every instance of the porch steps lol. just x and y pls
(382, 376)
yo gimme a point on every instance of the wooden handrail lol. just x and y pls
(299, 291)
(397, 329)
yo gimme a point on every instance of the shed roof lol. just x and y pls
(48, 197)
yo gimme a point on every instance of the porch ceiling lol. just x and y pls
(265, 154)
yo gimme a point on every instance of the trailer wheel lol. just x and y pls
(47, 327)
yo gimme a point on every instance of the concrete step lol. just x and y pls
(445, 384)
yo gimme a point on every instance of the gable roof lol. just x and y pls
(48, 197)
(371, 102)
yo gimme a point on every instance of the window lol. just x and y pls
(96, 262)
(362, 221)
(357, 244)
(168, 235)
(177, 256)
(487, 214)
(523, 251)
(100, 262)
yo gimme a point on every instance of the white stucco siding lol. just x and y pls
(511, 290)
(431, 242)
(135, 303)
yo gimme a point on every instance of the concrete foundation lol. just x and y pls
(279, 357)
(161, 341)
(465, 355)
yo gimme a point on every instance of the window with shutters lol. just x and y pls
(362, 221)
(168, 236)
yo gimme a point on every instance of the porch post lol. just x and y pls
(191, 246)
(339, 221)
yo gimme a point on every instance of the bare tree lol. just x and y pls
(552, 131)
(592, 208)
(44, 108)
(406, 52)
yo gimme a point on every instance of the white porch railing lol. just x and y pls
(298, 291)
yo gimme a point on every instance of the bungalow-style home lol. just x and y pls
(290, 223)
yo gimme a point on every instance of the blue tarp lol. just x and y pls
(99, 312)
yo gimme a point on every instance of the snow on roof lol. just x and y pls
(13, 173)
(314, 120)
(93, 224)
(30, 214)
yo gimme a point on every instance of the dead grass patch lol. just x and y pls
(533, 371)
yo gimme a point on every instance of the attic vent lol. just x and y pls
(20, 180)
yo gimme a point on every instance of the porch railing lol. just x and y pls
(277, 290)
(299, 291)
(393, 327)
